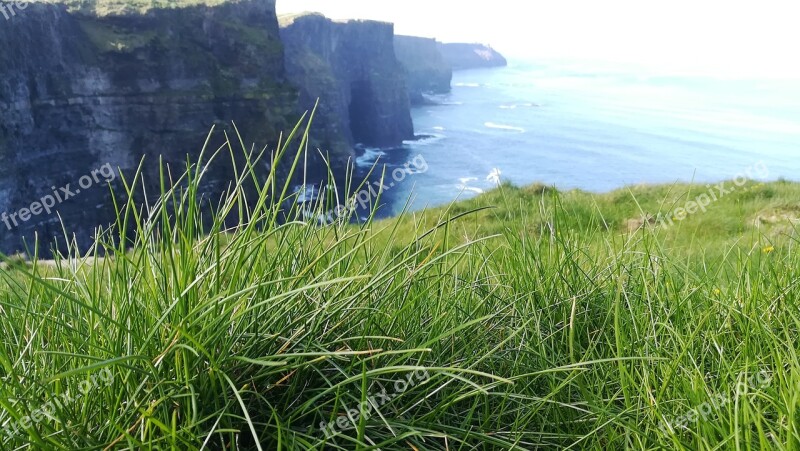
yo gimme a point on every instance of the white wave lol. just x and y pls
(427, 141)
(440, 99)
(471, 189)
(438, 129)
(369, 157)
(504, 127)
(464, 185)
(514, 106)
(467, 85)
(306, 193)
(434, 98)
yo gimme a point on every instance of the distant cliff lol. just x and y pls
(427, 70)
(79, 92)
(352, 69)
(471, 56)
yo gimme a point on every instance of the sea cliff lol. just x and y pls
(425, 66)
(80, 90)
(471, 56)
(351, 68)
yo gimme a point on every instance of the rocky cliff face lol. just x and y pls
(80, 92)
(352, 69)
(427, 71)
(471, 56)
(89, 87)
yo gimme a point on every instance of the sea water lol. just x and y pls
(593, 127)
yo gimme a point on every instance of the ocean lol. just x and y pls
(594, 127)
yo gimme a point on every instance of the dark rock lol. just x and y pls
(352, 69)
(428, 72)
(79, 92)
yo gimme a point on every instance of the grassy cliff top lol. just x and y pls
(690, 219)
(120, 7)
(286, 20)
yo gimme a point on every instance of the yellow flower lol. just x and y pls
(717, 291)
(769, 249)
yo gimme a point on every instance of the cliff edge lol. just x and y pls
(471, 56)
(426, 68)
(351, 67)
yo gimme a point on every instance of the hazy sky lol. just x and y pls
(711, 36)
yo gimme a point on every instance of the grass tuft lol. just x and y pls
(542, 322)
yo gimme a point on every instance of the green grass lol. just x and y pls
(117, 7)
(526, 318)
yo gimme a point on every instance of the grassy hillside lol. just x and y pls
(523, 319)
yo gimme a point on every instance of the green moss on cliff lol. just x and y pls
(117, 7)
(314, 67)
(109, 38)
(287, 19)
(254, 36)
